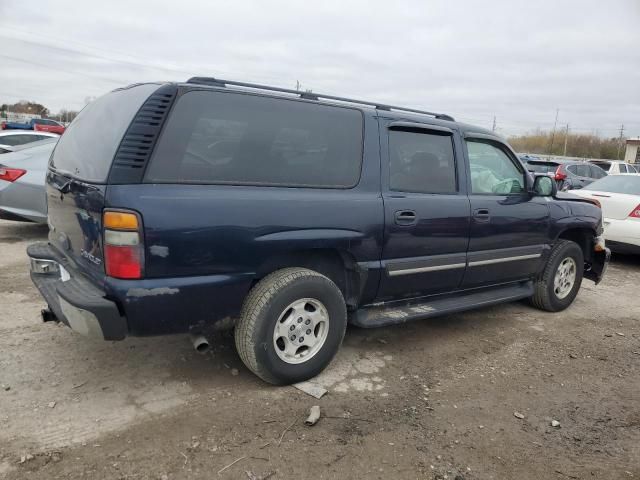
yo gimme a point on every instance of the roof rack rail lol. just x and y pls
(218, 82)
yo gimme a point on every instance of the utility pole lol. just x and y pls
(494, 124)
(620, 141)
(553, 134)
(297, 85)
(566, 136)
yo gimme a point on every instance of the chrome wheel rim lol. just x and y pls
(565, 277)
(301, 330)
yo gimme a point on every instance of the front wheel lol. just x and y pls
(291, 326)
(558, 284)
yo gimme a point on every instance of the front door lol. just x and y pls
(509, 227)
(426, 210)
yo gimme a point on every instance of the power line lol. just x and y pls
(31, 62)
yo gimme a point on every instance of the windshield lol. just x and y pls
(628, 184)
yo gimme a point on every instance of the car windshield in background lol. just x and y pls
(87, 148)
(604, 165)
(629, 184)
(541, 167)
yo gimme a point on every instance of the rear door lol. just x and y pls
(426, 210)
(77, 175)
(509, 228)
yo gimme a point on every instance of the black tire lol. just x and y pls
(261, 310)
(545, 297)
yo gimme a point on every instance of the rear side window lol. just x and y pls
(243, 139)
(89, 144)
(583, 170)
(421, 162)
(573, 169)
(622, 167)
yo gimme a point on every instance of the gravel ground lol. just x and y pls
(429, 400)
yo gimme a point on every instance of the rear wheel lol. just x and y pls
(291, 326)
(558, 284)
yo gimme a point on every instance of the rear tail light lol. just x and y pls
(123, 248)
(560, 173)
(11, 174)
(635, 213)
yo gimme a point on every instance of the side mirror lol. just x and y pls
(544, 186)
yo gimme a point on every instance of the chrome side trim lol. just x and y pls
(504, 259)
(435, 268)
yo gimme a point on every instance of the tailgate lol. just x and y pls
(75, 221)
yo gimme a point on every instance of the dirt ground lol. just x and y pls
(428, 400)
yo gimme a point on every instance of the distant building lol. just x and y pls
(632, 154)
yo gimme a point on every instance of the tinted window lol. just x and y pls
(631, 169)
(88, 145)
(629, 184)
(573, 169)
(542, 167)
(583, 170)
(597, 172)
(421, 162)
(604, 165)
(13, 140)
(232, 138)
(492, 170)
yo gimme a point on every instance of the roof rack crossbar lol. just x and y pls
(217, 82)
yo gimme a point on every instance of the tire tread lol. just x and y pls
(255, 303)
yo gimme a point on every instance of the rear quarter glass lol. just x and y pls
(89, 144)
(245, 139)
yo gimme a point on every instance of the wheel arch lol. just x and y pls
(338, 265)
(583, 236)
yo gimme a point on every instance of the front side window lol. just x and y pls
(242, 139)
(421, 162)
(597, 172)
(492, 170)
(632, 169)
(622, 167)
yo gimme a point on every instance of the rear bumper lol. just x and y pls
(73, 299)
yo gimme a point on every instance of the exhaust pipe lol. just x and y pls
(200, 343)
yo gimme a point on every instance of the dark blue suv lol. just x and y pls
(174, 208)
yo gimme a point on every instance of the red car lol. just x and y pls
(46, 125)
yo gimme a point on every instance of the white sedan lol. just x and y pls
(619, 196)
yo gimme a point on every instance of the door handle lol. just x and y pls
(405, 217)
(481, 214)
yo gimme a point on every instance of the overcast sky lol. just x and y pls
(517, 60)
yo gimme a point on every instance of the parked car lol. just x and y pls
(13, 138)
(616, 167)
(213, 203)
(568, 174)
(22, 176)
(37, 124)
(619, 196)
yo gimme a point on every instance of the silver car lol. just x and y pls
(22, 175)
